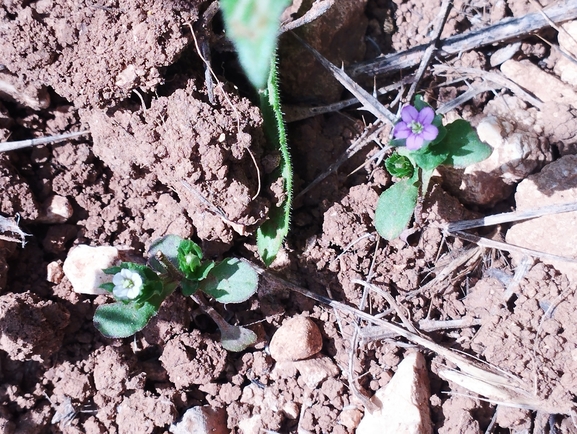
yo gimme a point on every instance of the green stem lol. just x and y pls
(272, 233)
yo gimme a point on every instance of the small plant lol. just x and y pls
(173, 262)
(423, 144)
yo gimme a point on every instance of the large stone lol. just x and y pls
(517, 152)
(543, 85)
(298, 338)
(403, 404)
(564, 67)
(555, 184)
(84, 264)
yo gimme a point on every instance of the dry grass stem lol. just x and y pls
(439, 24)
(368, 101)
(318, 8)
(492, 77)
(509, 217)
(495, 385)
(12, 146)
(506, 29)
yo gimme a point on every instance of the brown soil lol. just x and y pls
(160, 142)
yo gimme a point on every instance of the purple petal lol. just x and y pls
(401, 131)
(430, 132)
(426, 116)
(409, 113)
(414, 142)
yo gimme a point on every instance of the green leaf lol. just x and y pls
(419, 103)
(253, 27)
(235, 338)
(188, 287)
(399, 166)
(395, 208)
(109, 286)
(168, 245)
(231, 281)
(271, 234)
(112, 270)
(120, 320)
(463, 146)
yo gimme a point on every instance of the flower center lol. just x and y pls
(416, 127)
(128, 283)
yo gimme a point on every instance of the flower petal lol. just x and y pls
(401, 131)
(118, 279)
(414, 142)
(430, 132)
(120, 292)
(426, 116)
(133, 292)
(409, 113)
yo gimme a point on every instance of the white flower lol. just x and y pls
(127, 284)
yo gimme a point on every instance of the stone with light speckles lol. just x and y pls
(297, 339)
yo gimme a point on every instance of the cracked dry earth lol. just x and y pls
(162, 143)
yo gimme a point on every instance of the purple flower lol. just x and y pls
(416, 127)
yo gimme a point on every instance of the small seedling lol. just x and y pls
(173, 262)
(423, 144)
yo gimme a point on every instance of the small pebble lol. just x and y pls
(297, 339)
(56, 209)
(54, 272)
(201, 420)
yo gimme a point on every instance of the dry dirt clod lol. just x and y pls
(30, 328)
(297, 339)
(403, 404)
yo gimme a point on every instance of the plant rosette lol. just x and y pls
(422, 144)
(140, 290)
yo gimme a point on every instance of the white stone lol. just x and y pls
(54, 272)
(555, 184)
(201, 420)
(84, 264)
(403, 404)
(568, 38)
(56, 209)
(291, 410)
(251, 425)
